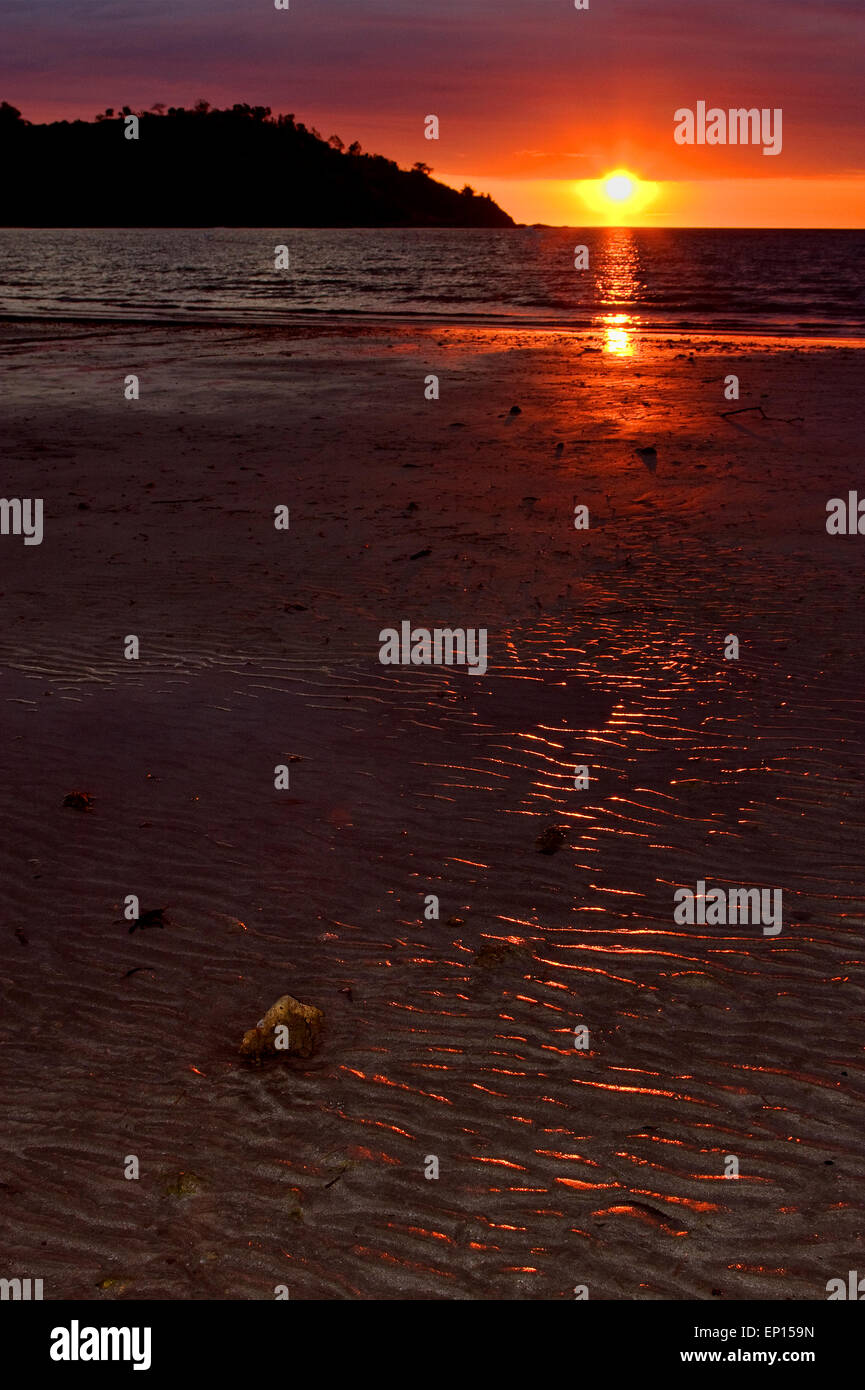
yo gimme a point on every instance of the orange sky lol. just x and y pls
(533, 96)
(775, 202)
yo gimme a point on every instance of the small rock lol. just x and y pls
(184, 1185)
(288, 1028)
(649, 455)
(515, 410)
(80, 801)
(551, 840)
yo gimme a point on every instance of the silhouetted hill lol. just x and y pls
(202, 167)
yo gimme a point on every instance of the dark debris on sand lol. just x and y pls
(155, 917)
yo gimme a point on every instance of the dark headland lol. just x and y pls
(241, 166)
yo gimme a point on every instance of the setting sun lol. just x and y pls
(619, 187)
(619, 198)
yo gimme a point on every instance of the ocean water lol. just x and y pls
(776, 282)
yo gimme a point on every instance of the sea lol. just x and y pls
(796, 283)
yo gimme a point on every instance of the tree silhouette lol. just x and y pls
(10, 115)
(204, 166)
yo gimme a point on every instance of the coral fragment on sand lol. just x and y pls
(289, 1028)
(494, 954)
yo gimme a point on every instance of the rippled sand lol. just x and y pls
(558, 1167)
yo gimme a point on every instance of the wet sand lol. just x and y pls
(558, 1167)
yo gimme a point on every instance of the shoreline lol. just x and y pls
(325, 319)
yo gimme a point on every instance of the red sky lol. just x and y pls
(532, 96)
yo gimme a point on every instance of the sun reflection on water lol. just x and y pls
(618, 289)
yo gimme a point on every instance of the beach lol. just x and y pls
(559, 1167)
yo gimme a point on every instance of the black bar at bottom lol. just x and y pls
(306, 1339)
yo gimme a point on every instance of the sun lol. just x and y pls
(620, 186)
(620, 198)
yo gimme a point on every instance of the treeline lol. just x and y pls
(241, 166)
